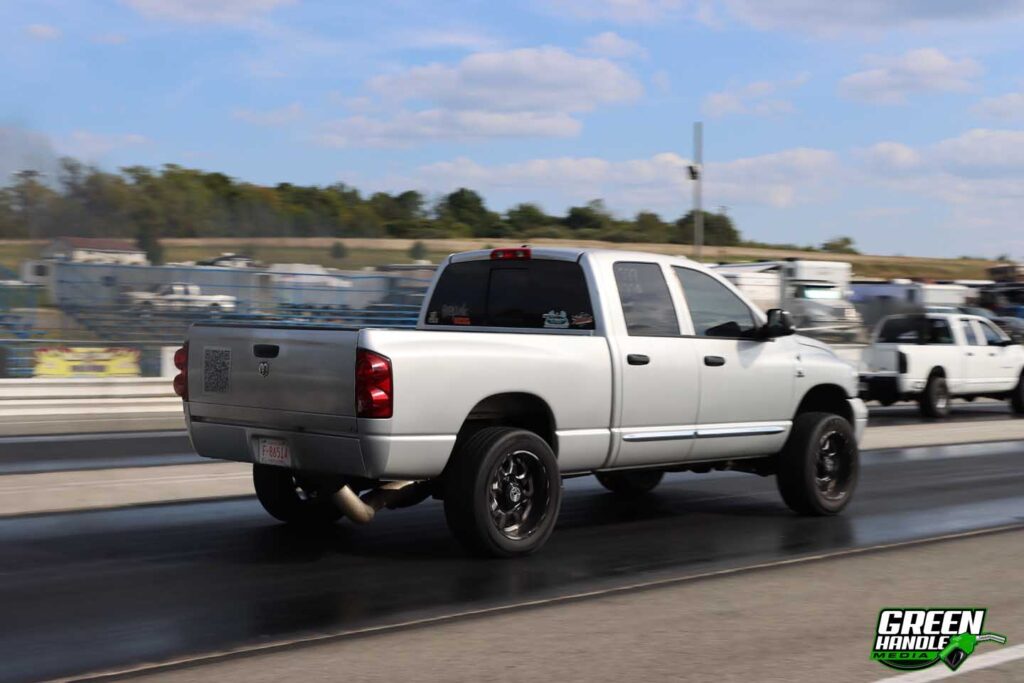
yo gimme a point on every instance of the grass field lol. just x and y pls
(372, 252)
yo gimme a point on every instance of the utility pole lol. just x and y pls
(696, 174)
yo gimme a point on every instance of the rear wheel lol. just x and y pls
(934, 401)
(293, 498)
(819, 465)
(630, 484)
(502, 492)
(1017, 397)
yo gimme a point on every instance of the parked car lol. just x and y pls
(526, 366)
(934, 357)
(181, 296)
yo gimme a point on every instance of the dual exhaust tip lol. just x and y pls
(391, 495)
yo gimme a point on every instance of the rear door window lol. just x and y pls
(538, 294)
(646, 304)
(970, 337)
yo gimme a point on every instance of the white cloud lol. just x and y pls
(271, 117)
(89, 146)
(527, 79)
(205, 11)
(890, 79)
(43, 31)
(528, 92)
(867, 15)
(891, 157)
(407, 128)
(622, 11)
(977, 175)
(982, 152)
(611, 44)
(759, 98)
(459, 39)
(781, 179)
(1008, 107)
(110, 39)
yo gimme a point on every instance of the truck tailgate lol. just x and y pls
(882, 358)
(295, 369)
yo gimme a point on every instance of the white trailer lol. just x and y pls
(815, 292)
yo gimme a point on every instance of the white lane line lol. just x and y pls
(500, 609)
(940, 672)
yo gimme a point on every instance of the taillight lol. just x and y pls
(901, 363)
(374, 388)
(514, 254)
(181, 379)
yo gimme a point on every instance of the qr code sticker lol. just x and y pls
(216, 370)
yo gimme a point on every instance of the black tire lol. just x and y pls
(292, 498)
(819, 465)
(934, 401)
(631, 484)
(1017, 397)
(502, 492)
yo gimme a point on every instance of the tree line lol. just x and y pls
(149, 204)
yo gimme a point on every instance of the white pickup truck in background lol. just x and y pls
(934, 357)
(526, 366)
(181, 297)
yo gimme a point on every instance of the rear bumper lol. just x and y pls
(884, 386)
(373, 456)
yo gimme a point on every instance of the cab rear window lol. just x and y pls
(538, 294)
(915, 330)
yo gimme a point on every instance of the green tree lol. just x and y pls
(418, 251)
(649, 227)
(719, 230)
(148, 241)
(840, 245)
(467, 208)
(593, 217)
(524, 217)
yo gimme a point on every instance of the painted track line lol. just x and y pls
(288, 643)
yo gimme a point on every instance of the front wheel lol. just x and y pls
(293, 498)
(630, 484)
(818, 466)
(502, 492)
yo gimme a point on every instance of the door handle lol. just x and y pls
(714, 361)
(969, 353)
(638, 359)
(266, 350)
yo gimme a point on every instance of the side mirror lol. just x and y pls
(780, 324)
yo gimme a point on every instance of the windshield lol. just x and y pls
(819, 292)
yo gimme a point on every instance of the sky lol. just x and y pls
(897, 122)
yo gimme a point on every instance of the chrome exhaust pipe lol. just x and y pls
(352, 507)
(393, 494)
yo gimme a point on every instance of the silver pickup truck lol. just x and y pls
(527, 366)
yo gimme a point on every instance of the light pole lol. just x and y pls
(696, 175)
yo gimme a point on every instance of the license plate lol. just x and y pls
(273, 452)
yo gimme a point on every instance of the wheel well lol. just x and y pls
(828, 398)
(525, 411)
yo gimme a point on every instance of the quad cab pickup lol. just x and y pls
(527, 366)
(934, 357)
(181, 296)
